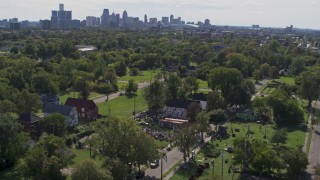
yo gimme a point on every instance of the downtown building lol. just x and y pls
(61, 19)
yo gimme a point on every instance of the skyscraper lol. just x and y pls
(171, 19)
(61, 19)
(145, 19)
(61, 7)
(105, 18)
(124, 16)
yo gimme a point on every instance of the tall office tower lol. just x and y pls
(165, 20)
(54, 20)
(179, 20)
(46, 24)
(13, 20)
(61, 19)
(207, 22)
(171, 19)
(14, 26)
(117, 20)
(124, 16)
(61, 7)
(105, 18)
(145, 19)
(91, 21)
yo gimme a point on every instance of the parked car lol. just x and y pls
(154, 164)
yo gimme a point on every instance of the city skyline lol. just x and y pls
(272, 13)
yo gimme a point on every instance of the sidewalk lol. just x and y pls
(173, 157)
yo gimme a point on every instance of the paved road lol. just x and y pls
(117, 94)
(314, 150)
(173, 157)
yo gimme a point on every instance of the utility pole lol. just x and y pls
(134, 108)
(109, 109)
(161, 168)
(222, 164)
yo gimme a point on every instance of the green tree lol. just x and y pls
(217, 116)
(44, 83)
(192, 111)
(256, 75)
(297, 66)
(191, 84)
(273, 72)
(155, 95)
(215, 101)
(308, 86)
(203, 123)
(265, 159)
(13, 142)
(54, 124)
(132, 87)
(297, 162)
(88, 169)
(230, 82)
(14, 50)
(173, 84)
(280, 136)
(284, 108)
(264, 69)
(186, 140)
(27, 102)
(82, 85)
(121, 68)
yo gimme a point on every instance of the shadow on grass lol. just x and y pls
(131, 95)
(292, 127)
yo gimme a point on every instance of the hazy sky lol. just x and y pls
(274, 13)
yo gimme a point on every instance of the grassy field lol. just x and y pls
(203, 84)
(72, 94)
(287, 80)
(121, 85)
(296, 137)
(123, 106)
(81, 155)
(145, 77)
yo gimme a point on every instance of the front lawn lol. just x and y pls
(296, 137)
(123, 106)
(145, 77)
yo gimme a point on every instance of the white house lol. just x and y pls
(177, 108)
(69, 112)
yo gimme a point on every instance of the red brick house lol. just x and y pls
(87, 109)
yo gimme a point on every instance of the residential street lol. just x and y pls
(173, 157)
(117, 94)
(314, 150)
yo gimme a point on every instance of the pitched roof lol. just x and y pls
(29, 117)
(81, 103)
(179, 103)
(49, 97)
(55, 108)
(199, 97)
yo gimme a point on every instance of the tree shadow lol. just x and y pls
(131, 95)
(292, 126)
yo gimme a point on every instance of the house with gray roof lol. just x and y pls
(69, 112)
